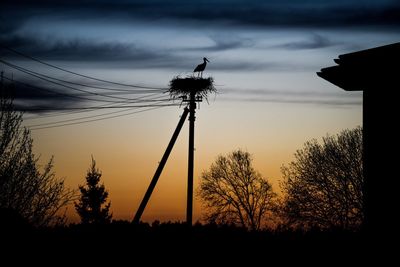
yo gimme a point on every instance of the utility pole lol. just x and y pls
(160, 167)
(194, 89)
(192, 118)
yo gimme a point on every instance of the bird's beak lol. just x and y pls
(207, 60)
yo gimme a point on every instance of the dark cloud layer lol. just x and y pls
(41, 97)
(131, 56)
(76, 49)
(204, 14)
(332, 13)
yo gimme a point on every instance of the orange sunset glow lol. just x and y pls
(128, 150)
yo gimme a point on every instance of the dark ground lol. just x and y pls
(123, 243)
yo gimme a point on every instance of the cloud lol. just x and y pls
(251, 66)
(288, 93)
(223, 42)
(17, 15)
(129, 55)
(315, 42)
(339, 98)
(29, 94)
(27, 98)
(77, 49)
(117, 54)
(328, 102)
(312, 13)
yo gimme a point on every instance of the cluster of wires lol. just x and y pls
(99, 99)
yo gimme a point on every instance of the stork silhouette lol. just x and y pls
(200, 68)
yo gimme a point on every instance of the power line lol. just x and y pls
(128, 101)
(77, 119)
(63, 85)
(97, 108)
(75, 73)
(155, 101)
(75, 123)
(81, 84)
(81, 118)
(67, 113)
(47, 90)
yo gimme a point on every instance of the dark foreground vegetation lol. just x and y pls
(123, 241)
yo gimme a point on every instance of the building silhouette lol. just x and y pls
(376, 73)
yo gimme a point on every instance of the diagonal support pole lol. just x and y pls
(160, 167)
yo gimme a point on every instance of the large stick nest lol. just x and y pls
(185, 86)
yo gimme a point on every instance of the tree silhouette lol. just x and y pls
(323, 186)
(93, 197)
(234, 193)
(35, 195)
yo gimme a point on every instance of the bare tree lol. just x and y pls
(323, 186)
(36, 195)
(233, 192)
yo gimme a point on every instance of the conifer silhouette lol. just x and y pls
(92, 207)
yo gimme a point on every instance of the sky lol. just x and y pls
(263, 56)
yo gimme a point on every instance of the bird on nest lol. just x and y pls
(200, 68)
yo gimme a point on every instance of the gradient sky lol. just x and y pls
(263, 55)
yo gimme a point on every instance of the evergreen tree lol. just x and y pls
(92, 206)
